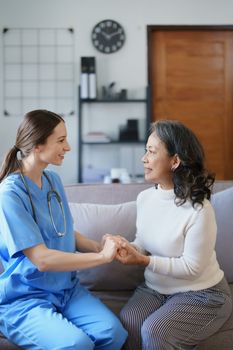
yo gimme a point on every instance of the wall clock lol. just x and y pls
(108, 36)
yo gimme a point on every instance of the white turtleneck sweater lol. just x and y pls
(180, 241)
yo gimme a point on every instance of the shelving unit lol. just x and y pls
(114, 142)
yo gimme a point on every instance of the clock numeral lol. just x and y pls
(107, 49)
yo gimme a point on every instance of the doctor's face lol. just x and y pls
(53, 151)
(158, 163)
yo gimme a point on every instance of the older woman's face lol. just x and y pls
(157, 162)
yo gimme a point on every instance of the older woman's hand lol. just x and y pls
(127, 254)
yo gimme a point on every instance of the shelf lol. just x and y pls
(113, 142)
(138, 100)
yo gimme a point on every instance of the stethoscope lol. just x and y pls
(50, 194)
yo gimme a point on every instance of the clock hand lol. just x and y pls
(107, 36)
(113, 34)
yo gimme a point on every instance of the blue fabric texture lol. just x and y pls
(19, 231)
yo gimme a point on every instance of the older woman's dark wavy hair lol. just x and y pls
(191, 179)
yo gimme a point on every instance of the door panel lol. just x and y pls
(191, 79)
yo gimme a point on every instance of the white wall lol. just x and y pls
(128, 67)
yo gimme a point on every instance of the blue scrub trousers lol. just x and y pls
(82, 323)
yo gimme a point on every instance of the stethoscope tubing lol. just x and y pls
(51, 193)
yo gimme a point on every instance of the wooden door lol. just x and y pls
(191, 79)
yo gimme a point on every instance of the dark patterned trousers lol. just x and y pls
(178, 321)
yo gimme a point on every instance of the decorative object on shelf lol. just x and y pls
(130, 131)
(93, 175)
(92, 78)
(95, 137)
(88, 78)
(108, 36)
(117, 175)
(123, 94)
(84, 78)
(109, 93)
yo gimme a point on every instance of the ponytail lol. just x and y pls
(10, 163)
(34, 130)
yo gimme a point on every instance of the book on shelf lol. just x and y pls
(96, 136)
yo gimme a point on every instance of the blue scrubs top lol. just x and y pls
(19, 231)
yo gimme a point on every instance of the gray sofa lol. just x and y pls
(99, 209)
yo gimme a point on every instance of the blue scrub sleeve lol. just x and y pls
(18, 227)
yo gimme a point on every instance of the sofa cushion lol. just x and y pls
(93, 221)
(223, 206)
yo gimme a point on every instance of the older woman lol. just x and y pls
(185, 297)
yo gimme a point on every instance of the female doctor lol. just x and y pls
(42, 304)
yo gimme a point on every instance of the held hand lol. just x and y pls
(128, 255)
(110, 249)
(117, 238)
(104, 239)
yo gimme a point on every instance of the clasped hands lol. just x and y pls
(121, 250)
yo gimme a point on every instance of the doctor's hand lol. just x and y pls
(116, 238)
(109, 250)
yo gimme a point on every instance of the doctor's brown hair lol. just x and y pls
(34, 130)
(191, 180)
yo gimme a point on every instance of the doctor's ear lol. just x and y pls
(175, 162)
(37, 148)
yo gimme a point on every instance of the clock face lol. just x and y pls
(108, 36)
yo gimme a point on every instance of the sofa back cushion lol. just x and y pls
(223, 206)
(94, 220)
